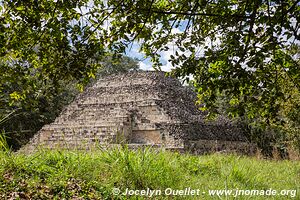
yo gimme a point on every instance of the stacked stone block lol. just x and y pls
(137, 108)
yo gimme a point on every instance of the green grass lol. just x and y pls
(93, 175)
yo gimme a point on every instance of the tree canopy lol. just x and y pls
(23, 119)
(247, 51)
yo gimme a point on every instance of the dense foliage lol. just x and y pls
(247, 51)
(20, 122)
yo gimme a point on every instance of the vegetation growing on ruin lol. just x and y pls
(247, 51)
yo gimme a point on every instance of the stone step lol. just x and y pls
(84, 125)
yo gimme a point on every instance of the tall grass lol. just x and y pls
(3, 143)
(94, 175)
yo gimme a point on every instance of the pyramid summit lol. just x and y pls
(139, 108)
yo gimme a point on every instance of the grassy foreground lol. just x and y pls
(103, 174)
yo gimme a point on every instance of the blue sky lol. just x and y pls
(145, 63)
(133, 52)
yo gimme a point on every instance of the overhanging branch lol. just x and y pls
(199, 14)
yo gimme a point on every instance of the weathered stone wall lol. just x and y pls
(209, 146)
(144, 108)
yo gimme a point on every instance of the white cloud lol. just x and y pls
(176, 30)
(146, 66)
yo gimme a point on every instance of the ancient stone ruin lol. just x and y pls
(139, 109)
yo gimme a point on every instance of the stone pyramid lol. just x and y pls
(139, 108)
